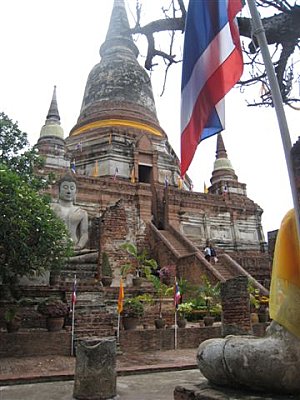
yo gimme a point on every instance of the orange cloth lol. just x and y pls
(121, 297)
(285, 283)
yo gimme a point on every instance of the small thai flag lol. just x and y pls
(74, 295)
(73, 167)
(166, 182)
(177, 295)
(116, 173)
(79, 146)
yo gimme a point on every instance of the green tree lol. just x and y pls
(32, 238)
(16, 154)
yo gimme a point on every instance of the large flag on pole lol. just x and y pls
(121, 297)
(212, 64)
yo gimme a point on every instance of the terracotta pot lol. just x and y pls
(130, 323)
(263, 317)
(159, 323)
(55, 324)
(137, 281)
(208, 320)
(106, 280)
(181, 322)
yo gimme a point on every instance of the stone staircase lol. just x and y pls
(95, 314)
(227, 273)
(85, 274)
(180, 247)
(95, 308)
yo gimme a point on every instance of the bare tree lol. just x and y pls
(282, 32)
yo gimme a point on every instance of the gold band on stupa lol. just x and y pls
(117, 122)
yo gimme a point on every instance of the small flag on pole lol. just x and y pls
(74, 293)
(180, 183)
(116, 173)
(132, 176)
(79, 146)
(177, 295)
(205, 190)
(73, 166)
(121, 297)
(212, 64)
(95, 171)
(166, 181)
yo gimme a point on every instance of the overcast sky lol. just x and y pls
(47, 43)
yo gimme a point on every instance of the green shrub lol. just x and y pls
(133, 307)
(106, 268)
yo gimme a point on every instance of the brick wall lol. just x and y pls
(163, 339)
(33, 343)
(235, 307)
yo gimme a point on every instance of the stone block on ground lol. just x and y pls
(205, 391)
(95, 371)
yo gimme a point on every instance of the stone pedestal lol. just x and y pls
(95, 372)
(205, 391)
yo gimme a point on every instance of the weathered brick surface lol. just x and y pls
(163, 339)
(32, 343)
(235, 306)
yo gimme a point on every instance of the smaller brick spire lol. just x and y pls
(224, 179)
(53, 113)
(221, 151)
(52, 126)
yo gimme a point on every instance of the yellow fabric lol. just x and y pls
(179, 180)
(132, 176)
(95, 171)
(121, 297)
(285, 283)
(205, 190)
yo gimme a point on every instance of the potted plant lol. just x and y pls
(106, 277)
(55, 311)
(263, 309)
(161, 290)
(133, 309)
(211, 295)
(183, 310)
(12, 318)
(141, 264)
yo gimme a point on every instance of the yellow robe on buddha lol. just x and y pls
(285, 283)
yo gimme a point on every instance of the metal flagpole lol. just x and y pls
(259, 33)
(73, 317)
(175, 330)
(118, 330)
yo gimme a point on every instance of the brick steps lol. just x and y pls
(225, 272)
(176, 244)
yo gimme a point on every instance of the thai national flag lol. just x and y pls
(212, 64)
(116, 173)
(177, 295)
(73, 167)
(74, 293)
